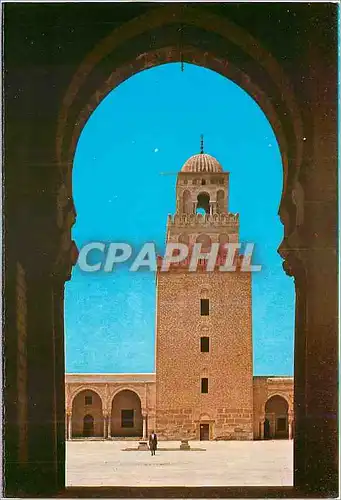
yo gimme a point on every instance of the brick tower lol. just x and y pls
(204, 373)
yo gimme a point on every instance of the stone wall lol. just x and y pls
(226, 423)
(180, 405)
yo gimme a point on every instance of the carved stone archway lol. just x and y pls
(131, 425)
(276, 412)
(87, 408)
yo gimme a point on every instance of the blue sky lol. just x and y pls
(149, 125)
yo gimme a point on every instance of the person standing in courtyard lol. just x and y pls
(152, 443)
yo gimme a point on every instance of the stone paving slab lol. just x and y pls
(224, 463)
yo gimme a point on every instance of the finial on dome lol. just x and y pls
(202, 144)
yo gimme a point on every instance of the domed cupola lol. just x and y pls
(202, 163)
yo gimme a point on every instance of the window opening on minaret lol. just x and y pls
(200, 211)
(205, 344)
(204, 385)
(204, 307)
(203, 201)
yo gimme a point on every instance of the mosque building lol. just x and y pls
(204, 386)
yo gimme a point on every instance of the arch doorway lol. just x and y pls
(87, 415)
(88, 426)
(276, 418)
(266, 429)
(204, 432)
(203, 202)
(126, 415)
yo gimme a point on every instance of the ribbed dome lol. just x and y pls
(202, 163)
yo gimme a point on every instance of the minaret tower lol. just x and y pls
(204, 378)
(202, 204)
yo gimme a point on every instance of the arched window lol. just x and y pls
(186, 202)
(223, 240)
(203, 202)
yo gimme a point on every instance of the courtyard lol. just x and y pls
(223, 463)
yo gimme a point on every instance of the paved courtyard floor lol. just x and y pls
(224, 463)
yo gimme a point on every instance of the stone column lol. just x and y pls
(261, 434)
(272, 420)
(109, 426)
(315, 404)
(66, 426)
(290, 433)
(311, 241)
(69, 427)
(105, 425)
(43, 449)
(59, 346)
(144, 423)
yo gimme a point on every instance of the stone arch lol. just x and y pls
(126, 388)
(183, 238)
(203, 202)
(265, 81)
(276, 424)
(205, 416)
(86, 387)
(223, 239)
(280, 394)
(87, 403)
(186, 202)
(276, 98)
(205, 241)
(193, 16)
(204, 293)
(126, 414)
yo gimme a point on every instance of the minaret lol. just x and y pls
(202, 204)
(204, 379)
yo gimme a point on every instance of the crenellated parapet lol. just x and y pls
(228, 220)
